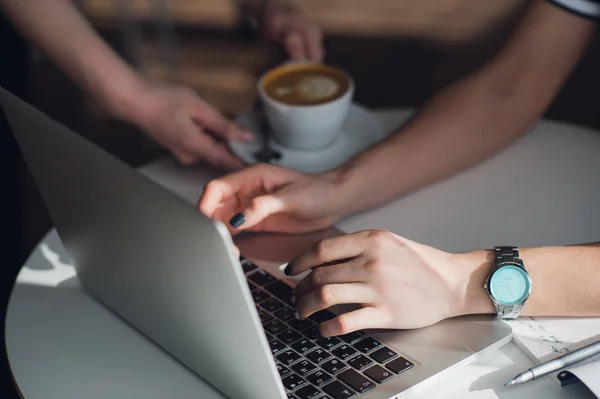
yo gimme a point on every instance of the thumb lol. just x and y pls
(260, 208)
(211, 119)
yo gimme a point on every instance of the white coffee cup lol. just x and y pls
(305, 127)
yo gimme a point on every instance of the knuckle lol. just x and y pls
(323, 248)
(186, 144)
(343, 324)
(212, 186)
(319, 276)
(185, 159)
(374, 267)
(326, 295)
(378, 238)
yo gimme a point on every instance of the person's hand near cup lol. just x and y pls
(283, 22)
(183, 123)
(193, 130)
(174, 116)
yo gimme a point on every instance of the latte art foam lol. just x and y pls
(317, 87)
(306, 84)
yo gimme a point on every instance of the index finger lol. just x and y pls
(328, 251)
(219, 190)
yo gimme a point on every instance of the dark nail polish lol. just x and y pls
(288, 270)
(237, 220)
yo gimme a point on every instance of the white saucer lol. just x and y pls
(360, 130)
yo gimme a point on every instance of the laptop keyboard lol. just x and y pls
(311, 366)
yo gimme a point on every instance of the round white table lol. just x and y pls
(542, 190)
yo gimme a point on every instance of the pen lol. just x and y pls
(553, 365)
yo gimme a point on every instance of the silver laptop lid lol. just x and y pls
(149, 257)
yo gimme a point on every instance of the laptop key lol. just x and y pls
(251, 285)
(308, 392)
(261, 277)
(285, 314)
(321, 316)
(303, 367)
(399, 365)
(303, 346)
(318, 355)
(283, 371)
(264, 316)
(356, 381)
(291, 396)
(337, 390)
(360, 362)
(288, 357)
(289, 336)
(366, 345)
(282, 291)
(271, 304)
(274, 326)
(329, 342)
(259, 295)
(352, 337)
(378, 374)
(292, 382)
(312, 332)
(277, 346)
(319, 378)
(248, 266)
(333, 366)
(300, 324)
(344, 351)
(383, 355)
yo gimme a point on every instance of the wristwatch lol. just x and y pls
(509, 283)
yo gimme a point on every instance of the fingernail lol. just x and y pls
(296, 314)
(237, 220)
(293, 299)
(288, 270)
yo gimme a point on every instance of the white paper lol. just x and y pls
(543, 339)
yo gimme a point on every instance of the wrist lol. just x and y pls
(472, 270)
(124, 100)
(345, 193)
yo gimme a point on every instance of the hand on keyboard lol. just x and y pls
(399, 283)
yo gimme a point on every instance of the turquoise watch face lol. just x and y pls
(510, 285)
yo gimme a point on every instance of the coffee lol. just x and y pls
(298, 84)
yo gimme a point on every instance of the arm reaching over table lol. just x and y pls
(465, 123)
(401, 284)
(476, 116)
(173, 115)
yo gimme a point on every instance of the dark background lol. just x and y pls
(390, 70)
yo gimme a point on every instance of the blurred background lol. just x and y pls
(398, 51)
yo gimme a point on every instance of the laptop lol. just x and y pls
(172, 274)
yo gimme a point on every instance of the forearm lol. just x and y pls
(58, 29)
(460, 127)
(474, 117)
(565, 280)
